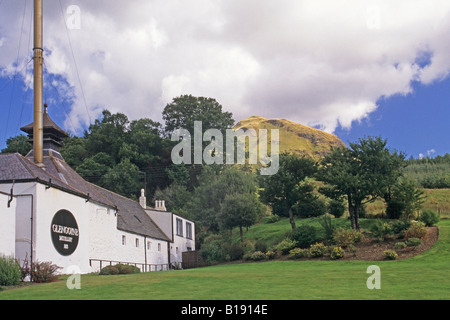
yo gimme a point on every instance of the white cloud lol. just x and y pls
(323, 63)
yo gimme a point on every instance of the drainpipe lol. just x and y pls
(145, 253)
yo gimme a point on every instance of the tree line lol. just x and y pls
(125, 156)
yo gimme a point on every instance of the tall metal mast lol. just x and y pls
(38, 57)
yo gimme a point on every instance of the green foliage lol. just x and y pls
(271, 254)
(430, 173)
(380, 229)
(399, 226)
(285, 246)
(225, 198)
(416, 230)
(239, 210)
(337, 253)
(403, 199)
(298, 253)
(10, 274)
(288, 188)
(119, 269)
(311, 206)
(109, 270)
(336, 208)
(213, 250)
(272, 219)
(390, 254)
(429, 217)
(360, 173)
(327, 226)
(124, 179)
(258, 256)
(413, 242)
(184, 110)
(18, 144)
(346, 237)
(176, 196)
(400, 245)
(305, 235)
(317, 250)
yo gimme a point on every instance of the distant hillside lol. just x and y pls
(294, 137)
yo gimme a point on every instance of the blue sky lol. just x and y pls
(417, 124)
(355, 68)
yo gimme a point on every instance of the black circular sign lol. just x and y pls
(65, 233)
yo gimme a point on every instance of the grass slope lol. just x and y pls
(294, 138)
(422, 277)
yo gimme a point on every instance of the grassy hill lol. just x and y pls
(294, 137)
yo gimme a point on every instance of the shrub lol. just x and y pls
(413, 242)
(317, 250)
(260, 246)
(127, 269)
(400, 245)
(305, 235)
(10, 274)
(272, 219)
(109, 270)
(345, 237)
(352, 249)
(213, 250)
(416, 230)
(429, 217)
(286, 245)
(235, 251)
(298, 253)
(119, 269)
(337, 253)
(257, 256)
(313, 207)
(390, 254)
(327, 226)
(271, 254)
(43, 272)
(380, 229)
(400, 226)
(336, 208)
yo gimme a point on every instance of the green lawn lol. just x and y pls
(422, 277)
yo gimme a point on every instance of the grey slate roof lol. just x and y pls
(58, 174)
(132, 217)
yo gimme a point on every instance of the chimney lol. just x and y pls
(160, 205)
(143, 199)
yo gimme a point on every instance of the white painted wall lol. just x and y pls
(99, 237)
(49, 202)
(7, 225)
(181, 243)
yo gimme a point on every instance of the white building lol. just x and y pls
(50, 213)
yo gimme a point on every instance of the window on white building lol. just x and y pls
(179, 227)
(137, 243)
(124, 240)
(149, 246)
(159, 246)
(188, 230)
